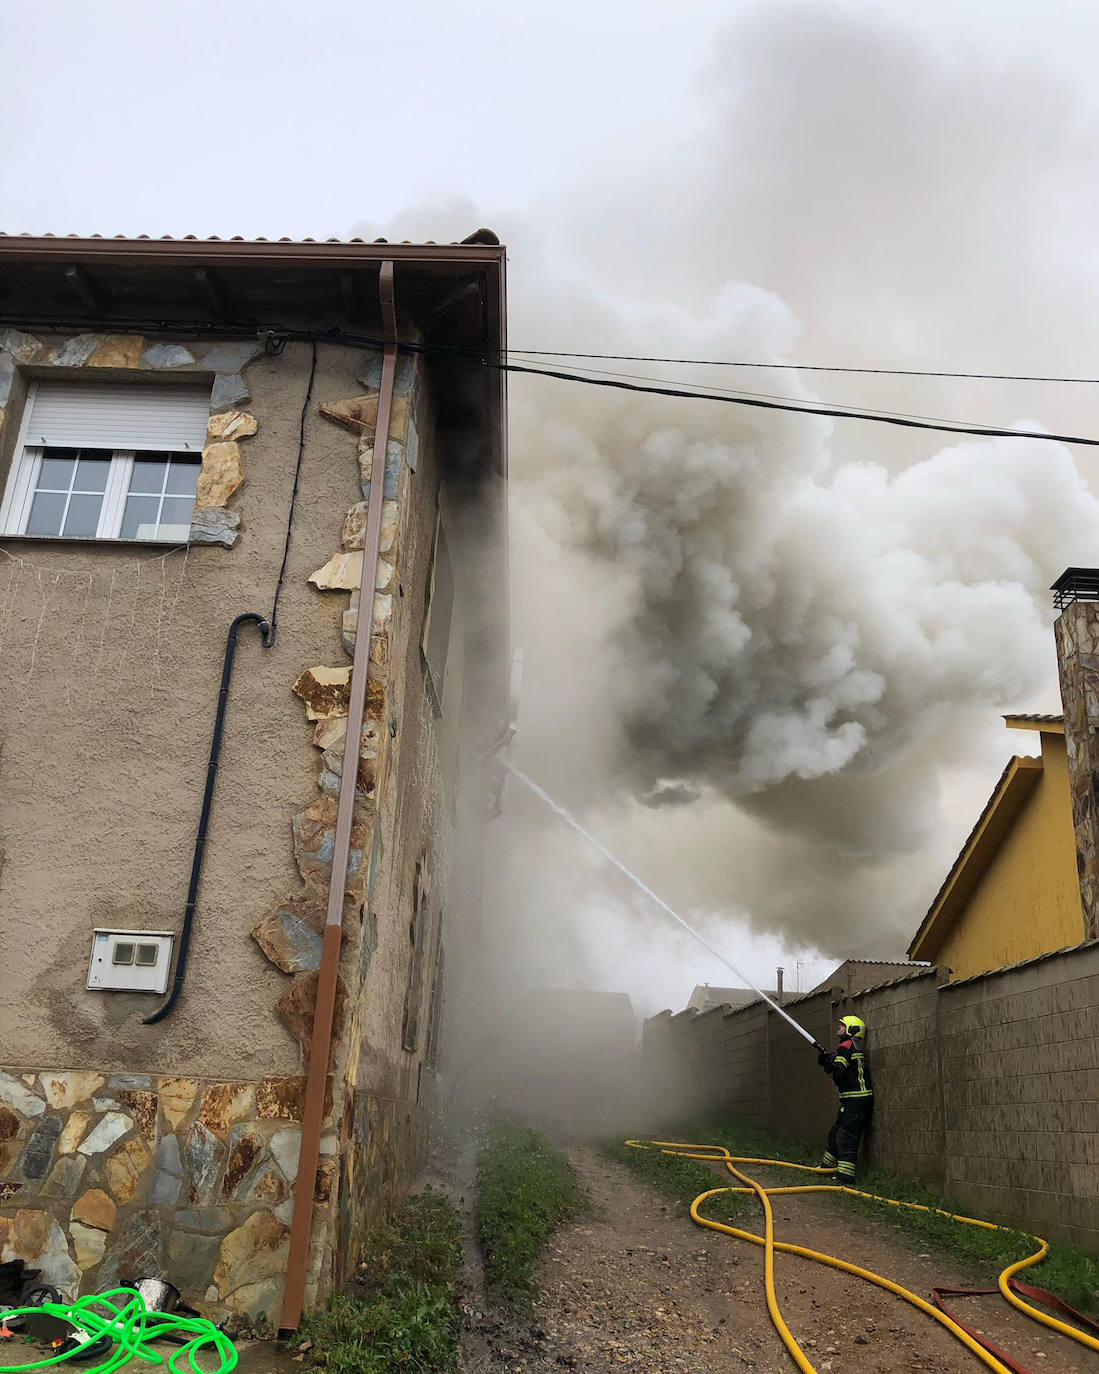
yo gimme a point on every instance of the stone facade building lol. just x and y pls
(228, 1091)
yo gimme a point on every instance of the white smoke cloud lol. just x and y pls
(790, 638)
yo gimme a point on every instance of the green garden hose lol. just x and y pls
(132, 1328)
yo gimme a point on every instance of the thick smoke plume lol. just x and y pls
(763, 654)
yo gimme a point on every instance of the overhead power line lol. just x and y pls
(617, 383)
(465, 357)
(766, 395)
(807, 367)
(793, 408)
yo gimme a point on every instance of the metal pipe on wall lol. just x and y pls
(204, 815)
(320, 1050)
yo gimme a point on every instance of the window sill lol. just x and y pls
(72, 541)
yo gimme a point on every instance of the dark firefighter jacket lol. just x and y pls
(850, 1071)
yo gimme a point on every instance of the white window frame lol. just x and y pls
(26, 466)
(16, 508)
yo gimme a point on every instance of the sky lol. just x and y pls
(803, 648)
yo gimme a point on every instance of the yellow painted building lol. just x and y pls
(1013, 891)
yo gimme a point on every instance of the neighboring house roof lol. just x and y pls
(856, 975)
(1016, 783)
(1049, 724)
(705, 997)
(853, 975)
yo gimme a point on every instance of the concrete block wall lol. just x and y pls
(672, 1090)
(803, 1104)
(907, 1132)
(709, 1063)
(1021, 1094)
(987, 1088)
(745, 1081)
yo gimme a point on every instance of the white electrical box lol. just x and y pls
(130, 960)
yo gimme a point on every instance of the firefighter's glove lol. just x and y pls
(824, 1059)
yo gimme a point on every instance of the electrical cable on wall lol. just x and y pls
(463, 358)
(273, 619)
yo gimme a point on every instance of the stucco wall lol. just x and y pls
(109, 665)
(1028, 898)
(987, 1088)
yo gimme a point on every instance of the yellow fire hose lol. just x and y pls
(720, 1154)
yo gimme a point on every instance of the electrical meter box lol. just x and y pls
(130, 960)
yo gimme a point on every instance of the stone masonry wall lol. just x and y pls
(986, 1088)
(1077, 636)
(111, 1178)
(390, 1080)
(99, 355)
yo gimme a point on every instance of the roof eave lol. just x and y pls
(1046, 725)
(242, 252)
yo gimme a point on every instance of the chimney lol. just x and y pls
(1076, 596)
(778, 986)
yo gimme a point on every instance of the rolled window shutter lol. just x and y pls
(119, 416)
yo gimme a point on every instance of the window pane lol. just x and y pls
(46, 512)
(91, 473)
(139, 517)
(183, 477)
(123, 953)
(148, 475)
(146, 955)
(57, 470)
(175, 518)
(82, 520)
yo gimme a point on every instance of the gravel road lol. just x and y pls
(639, 1287)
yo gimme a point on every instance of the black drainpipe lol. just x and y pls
(204, 819)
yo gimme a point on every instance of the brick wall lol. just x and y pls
(987, 1088)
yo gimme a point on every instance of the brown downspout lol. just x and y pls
(319, 1054)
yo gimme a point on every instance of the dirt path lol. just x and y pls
(638, 1286)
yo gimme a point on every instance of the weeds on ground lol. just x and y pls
(1070, 1273)
(525, 1188)
(405, 1319)
(423, 1241)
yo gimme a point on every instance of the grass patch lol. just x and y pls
(405, 1319)
(1070, 1273)
(525, 1188)
(679, 1179)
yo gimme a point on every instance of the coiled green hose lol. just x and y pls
(132, 1327)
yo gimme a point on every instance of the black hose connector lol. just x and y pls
(267, 633)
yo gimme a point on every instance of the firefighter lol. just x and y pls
(850, 1071)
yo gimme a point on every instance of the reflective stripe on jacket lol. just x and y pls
(850, 1071)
